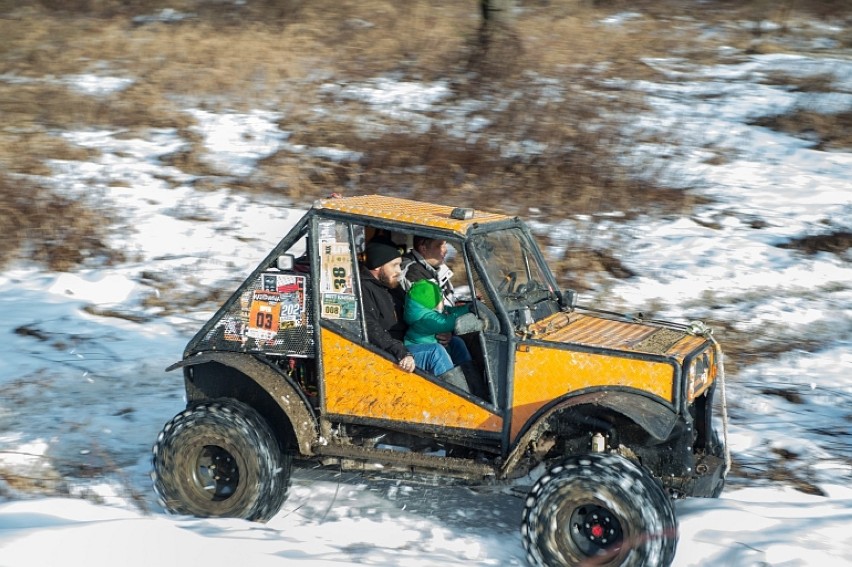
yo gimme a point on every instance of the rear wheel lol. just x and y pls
(220, 459)
(598, 509)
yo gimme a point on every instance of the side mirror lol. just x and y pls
(285, 262)
(568, 299)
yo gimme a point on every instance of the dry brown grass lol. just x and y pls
(276, 53)
(828, 131)
(44, 227)
(837, 242)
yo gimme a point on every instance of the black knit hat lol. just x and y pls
(378, 254)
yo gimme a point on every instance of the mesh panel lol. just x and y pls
(273, 315)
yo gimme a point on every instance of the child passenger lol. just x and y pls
(427, 316)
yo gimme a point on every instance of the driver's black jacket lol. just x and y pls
(383, 309)
(416, 268)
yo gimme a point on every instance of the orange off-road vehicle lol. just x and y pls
(615, 409)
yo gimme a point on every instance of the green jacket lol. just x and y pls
(424, 323)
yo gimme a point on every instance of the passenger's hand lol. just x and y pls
(444, 338)
(407, 363)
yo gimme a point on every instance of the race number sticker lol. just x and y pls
(291, 292)
(264, 315)
(336, 267)
(338, 306)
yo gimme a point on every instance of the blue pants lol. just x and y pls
(458, 350)
(434, 358)
(431, 357)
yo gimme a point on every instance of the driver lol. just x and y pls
(426, 261)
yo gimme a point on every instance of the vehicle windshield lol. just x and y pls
(522, 283)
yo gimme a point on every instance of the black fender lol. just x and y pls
(656, 418)
(280, 388)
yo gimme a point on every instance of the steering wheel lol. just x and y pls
(528, 288)
(507, 284)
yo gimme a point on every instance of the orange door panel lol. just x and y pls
(545, 374)
(360, 383)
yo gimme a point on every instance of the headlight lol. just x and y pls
(702, 372)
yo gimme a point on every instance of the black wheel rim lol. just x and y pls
(216, 472)
(595, 530)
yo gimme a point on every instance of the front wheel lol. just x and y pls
(220, 458)
(598, 509)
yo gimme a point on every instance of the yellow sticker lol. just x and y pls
(337, 267)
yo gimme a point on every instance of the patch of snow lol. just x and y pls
(236, 141)
(97, 85)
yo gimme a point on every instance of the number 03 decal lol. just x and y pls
(263, 320)
(264, 315)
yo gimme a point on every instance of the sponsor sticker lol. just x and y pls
(338, 306)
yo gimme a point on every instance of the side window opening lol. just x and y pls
(341, 246)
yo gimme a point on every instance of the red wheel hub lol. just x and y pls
(595, 529)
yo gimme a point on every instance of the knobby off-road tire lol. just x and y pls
(598, 509)
(219, 459)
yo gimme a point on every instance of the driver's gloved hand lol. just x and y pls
(468, 323)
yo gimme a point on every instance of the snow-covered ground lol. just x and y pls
(84, 393)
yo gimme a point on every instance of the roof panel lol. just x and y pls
(407, 211)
